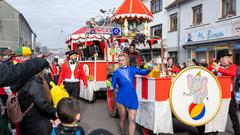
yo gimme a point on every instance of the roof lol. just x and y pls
(88, 34)
(133, 9)
(86, 30)
(175, 3)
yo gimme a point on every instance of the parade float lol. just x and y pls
(92, 42)
(195, 96)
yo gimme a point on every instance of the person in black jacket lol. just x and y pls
(37, 119)
(10, 74)
(68, 111)
(34, 92)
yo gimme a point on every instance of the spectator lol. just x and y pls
(203, 62)
(68, 111)
(6, 56)
(35, 92)
(184, 65)
(10, 74)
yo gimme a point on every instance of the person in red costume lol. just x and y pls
(71, 74)
(171, 67)
(225, 68)
(55, 69)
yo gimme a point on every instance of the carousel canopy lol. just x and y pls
(132, 9)
(89, 34)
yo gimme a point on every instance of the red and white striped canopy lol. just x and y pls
(132, 9)
(89, 34)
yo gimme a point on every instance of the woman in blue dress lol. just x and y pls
(127, 100)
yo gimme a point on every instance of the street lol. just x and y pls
(95, 115)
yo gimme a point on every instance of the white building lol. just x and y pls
(197, 28)
(204, 27)
(161, 23)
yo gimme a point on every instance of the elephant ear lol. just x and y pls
(204, 85)
(189, 78)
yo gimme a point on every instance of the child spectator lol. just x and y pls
(68, 111)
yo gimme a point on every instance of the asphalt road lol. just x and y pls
(95, 115)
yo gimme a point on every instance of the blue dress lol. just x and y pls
(124, 77)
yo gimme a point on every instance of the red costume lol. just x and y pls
(55, 70)
(66, 73)
(173, 69)
(2, 92)
(227, 71)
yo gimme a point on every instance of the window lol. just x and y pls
(156, 6)
(173, 22)
(200, 55)
(228, 8)
(197, 15)
(156, 30)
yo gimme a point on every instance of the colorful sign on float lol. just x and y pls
(195, 96)
(116, 31)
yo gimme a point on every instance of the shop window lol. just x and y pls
(173, 22)
(200, 55)
(156, 30)
(197, 15)
(228, 8)
(156, 6)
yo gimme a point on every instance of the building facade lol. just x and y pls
(14, 29)
(196, 28)
(161, 24)
(206, 26)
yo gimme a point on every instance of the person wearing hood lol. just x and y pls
(35, 93)
(71, 74)
(6, 58)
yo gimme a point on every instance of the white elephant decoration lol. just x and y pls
(198, 88)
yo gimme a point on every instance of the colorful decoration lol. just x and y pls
(116, 31)
(197, 111)
(23, 51)
(132, 11)
(109, 84)
(195, 96)
(58, 92)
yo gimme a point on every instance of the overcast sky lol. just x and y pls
(48, 18)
